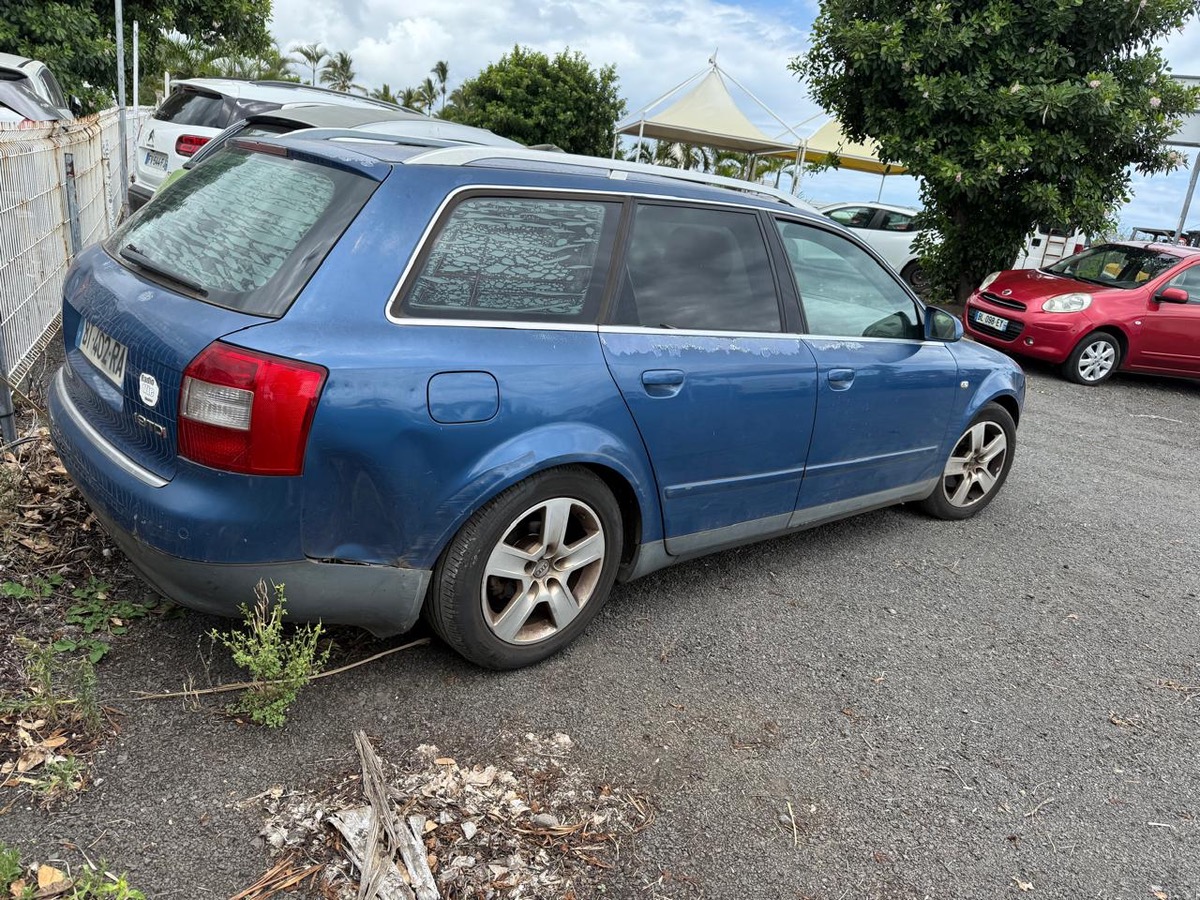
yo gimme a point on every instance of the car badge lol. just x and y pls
(148, 389)
(1006, 292)
(150, 140)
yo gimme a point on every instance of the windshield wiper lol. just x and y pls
(140, 259)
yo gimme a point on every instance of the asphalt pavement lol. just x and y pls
(885, 707)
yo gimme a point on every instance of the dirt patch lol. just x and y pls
(533, 826)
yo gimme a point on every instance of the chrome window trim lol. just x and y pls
(516, 190)
(697, 332)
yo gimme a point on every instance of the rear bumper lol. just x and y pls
(385, 600)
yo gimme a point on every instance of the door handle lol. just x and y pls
(662, 382)
(840, 379)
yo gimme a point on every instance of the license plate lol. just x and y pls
(991, 321)
(156, 160)
(104, 353)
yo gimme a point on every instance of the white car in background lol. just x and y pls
(199, 109)
(31, 92)
(889, 230)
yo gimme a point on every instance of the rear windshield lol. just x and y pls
(1113, 265)
(188, 107)
(244, 231)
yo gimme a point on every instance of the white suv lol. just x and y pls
(201, 108)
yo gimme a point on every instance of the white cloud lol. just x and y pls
(654, 45)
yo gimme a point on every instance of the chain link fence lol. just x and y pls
(60, 190)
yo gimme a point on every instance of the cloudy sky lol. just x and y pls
(655, 44)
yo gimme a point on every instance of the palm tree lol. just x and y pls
(270, 65)
(441, 71)
(460, 104)
(729, 163)
(186, 58)
(339, 73)
(410, 98)
(427, 92)
(313, 56)
(384, 93)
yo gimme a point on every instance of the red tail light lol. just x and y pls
(187, 144)
(249, 412)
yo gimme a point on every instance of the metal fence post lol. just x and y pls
(72, 204)
(121, 106)
(8, 421)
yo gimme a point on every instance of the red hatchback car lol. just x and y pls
(1132, 306)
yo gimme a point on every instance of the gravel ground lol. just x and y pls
(972, 710)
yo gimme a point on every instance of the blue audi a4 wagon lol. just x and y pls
(482, 384)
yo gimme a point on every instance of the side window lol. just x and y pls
(703, 269)
(52, 89)
(894, 221)
(1188, 280)
(846, 293)
(853, 216)
(534, 259)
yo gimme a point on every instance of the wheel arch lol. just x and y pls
(1115, 331)
(1010, 405)
(627, 475)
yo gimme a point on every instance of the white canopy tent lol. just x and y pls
(708, 115)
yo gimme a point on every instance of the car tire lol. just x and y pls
(506, 594)
(1094, 359)
(977, 467)
(916, 278)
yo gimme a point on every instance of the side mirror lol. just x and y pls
(942, 326)
(1172, 295)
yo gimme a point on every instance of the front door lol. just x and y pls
(724, 399)
(1170, 333)
(885, 395)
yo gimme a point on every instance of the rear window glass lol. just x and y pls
(194, 108)
(537, 259)
(248, 228)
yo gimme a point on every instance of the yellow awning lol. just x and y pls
(859, 157)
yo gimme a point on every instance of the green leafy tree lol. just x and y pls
(313, 56)
(534, 99)
(339, 72)
(76, 38)
(1010, 113)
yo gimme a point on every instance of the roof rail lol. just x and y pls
(367, 137)
(300, 85)
(616, 168)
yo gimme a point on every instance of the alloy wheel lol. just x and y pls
(543, 571)
(1097, 360)
(975, 465)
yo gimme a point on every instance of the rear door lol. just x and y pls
(723, 396)
(885, 395)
